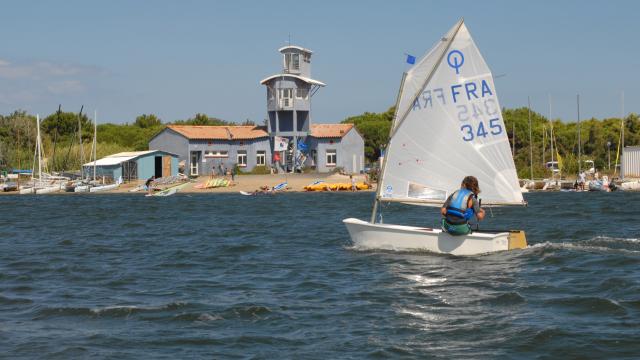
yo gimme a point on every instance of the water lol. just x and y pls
(228, 276)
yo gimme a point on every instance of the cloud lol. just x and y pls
(66, 87)
(41, 70)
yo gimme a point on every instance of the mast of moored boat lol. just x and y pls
(622, 133)
(39, 146)
(95, 142)
(579, 140)
(553, 173)
(80, 142)
(530, 141)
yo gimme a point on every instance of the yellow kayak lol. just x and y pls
(335, 187)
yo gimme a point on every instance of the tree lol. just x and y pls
(64, 125)
(147, 121)
(374, 127)
(202, 119)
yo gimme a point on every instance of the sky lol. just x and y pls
(178, 58)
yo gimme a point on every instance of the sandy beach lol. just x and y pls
(295, 182)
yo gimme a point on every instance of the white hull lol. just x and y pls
(48, 190)
(81, 188)
(410, 238)
(103, 188)
(630, 186)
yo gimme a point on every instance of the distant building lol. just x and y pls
(631, 162)
(289, 142)
(133, 165)
(205, 148)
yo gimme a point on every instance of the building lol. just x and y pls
(336, 146)
(289, 141)
(205, 148)
(631, 162)
(134, 165)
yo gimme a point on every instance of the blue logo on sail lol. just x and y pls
(455, 59)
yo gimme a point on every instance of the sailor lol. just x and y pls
(461, 206)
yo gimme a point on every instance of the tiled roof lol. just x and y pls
(330, 130)
(240, 132)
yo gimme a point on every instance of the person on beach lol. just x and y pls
(353, 183)
(461, 206)
(149, 184)
(583, 180)
(233, 173)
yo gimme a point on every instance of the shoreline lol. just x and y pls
(248, 183)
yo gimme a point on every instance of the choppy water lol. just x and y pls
(227, 276)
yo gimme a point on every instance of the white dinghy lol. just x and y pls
(448, 124)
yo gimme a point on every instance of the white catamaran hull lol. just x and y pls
(103, 188)
(410, 238)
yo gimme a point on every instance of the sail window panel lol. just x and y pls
(261, 158)
(241, 158)
(332, 157)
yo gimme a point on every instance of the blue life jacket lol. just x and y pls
(458, 207)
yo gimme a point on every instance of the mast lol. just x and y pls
(530, 141)
(622, 132)
(551, 130)
(95, 143)
(579, 140)
(80, 142)
(39, 147)
(544, 142)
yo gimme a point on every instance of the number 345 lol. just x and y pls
(468, 133)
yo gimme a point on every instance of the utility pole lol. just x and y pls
(530, 141)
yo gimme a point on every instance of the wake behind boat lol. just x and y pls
(448, 124)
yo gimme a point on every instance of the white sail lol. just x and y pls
(449, 125)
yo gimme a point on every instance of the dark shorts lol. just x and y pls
(462, 229)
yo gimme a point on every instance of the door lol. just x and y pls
(158, 167)
(166, 166)
(194, 163)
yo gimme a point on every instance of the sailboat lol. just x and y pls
(44, 183)
(448, 124)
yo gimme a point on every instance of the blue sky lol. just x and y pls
(178, 58)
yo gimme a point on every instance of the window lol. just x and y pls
(286, 97)
(261, 157)
(332, 157)
(287, 61)
(291, 62)
(242, 158)
(216, 154)
(302, 93)
(296, 61)
(306, 57)
(270, 94)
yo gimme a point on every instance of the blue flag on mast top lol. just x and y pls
(411, 59)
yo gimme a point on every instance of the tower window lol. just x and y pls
(306, 57)
(302, 93)
(296, 61)
(291, 61)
